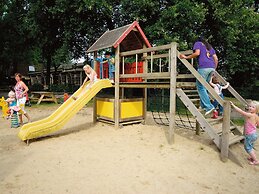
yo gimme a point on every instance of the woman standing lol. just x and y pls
(20, 91)
(207, 63)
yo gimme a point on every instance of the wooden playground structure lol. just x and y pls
(162, 68)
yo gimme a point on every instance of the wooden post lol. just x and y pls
(224, 143)
(145, 70)
(94, 99)
(117, 88)
(173, 73)
(198, 128)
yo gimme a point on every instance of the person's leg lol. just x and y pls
(215, 103)
(11, 112)
(27, 116)
(248, 145)
(204, 97)
(21, 104)
(20, 118)
(110, 71)
(101, 70)
(221, 107)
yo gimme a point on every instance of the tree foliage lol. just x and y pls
(54, 31)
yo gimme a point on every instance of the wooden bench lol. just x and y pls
(42, 96)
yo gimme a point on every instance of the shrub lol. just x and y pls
(63, 88)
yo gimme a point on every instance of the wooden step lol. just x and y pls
(190, 91)
(193, 95)
(217, 120)
(219, 129)
(235, 139)
(195, 99)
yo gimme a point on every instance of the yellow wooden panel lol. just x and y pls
(131, 109)
(105, 109)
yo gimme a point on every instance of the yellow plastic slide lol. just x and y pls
(67, 110)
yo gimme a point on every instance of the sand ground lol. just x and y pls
(97, 159)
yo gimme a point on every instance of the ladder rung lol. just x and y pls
(190, 91)
(235, 139)
(192, 95)
(195, 99)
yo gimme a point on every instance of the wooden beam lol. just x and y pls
(201, 80)
(173, 73)
(94, 99)
(188, 85)
(157, 56)
(145, 70)
(224, 143)
(157, 75)
(145, 50)
(117, 88)
(187, 52)
(163, 75)
(231, 89)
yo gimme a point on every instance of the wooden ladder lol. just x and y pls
(213, 127)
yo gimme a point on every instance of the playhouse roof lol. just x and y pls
(129, 37)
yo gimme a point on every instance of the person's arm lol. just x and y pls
(26, 89)
(211, 83)
(8, 100)
(239, 110)
(225, 86)
(216, 60)
(106, 61)
(85, 80)
(193, 55)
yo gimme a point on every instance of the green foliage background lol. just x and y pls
(52, 32)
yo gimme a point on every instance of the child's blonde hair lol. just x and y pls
(11, 94)
(87, 67)
(256, 106)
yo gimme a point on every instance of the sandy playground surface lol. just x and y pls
(97, 159)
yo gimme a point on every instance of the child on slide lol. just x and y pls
(91, 75)
(252, 121)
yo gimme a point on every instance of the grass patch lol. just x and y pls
(238, 122)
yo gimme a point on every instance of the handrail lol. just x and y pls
(145, 50)
(231, 89)
(201, 79)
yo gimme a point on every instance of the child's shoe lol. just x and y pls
(215, 114)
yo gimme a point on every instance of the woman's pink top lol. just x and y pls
(249, 128)
(19, 90)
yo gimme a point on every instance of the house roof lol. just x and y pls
(129, 37)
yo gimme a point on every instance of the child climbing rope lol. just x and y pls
(252, 121)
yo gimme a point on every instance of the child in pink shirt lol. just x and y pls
(252, 121)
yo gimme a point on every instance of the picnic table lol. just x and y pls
(41, 96)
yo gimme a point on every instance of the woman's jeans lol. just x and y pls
(204, 97)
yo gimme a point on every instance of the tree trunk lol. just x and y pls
(48, 70)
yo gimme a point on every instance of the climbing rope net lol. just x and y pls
(158, 104)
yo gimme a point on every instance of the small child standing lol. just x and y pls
(252, 121)
(14, 109)
(214, 82)
(111, 61)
